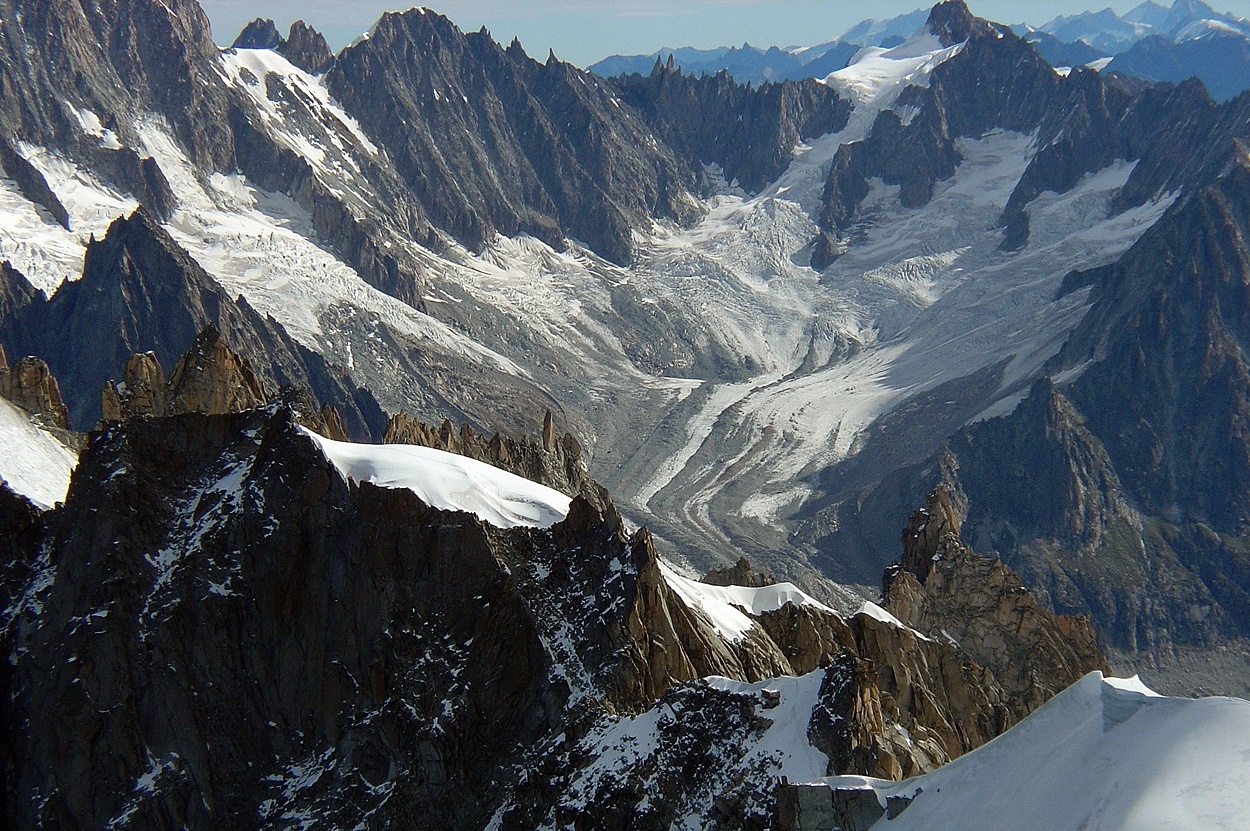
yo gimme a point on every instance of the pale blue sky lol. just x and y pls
(584, 31)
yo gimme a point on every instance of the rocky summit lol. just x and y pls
(368, 416)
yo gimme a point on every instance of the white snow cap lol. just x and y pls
(1106, 754)
(448, 481)
(875, 77)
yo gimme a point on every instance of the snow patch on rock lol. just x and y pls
(448, 481)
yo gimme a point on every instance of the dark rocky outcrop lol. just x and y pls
(261, 33)
(741, 573)
(1014, 85)
(307, 48)
(749, 132)
(16, 293)
(141, 293)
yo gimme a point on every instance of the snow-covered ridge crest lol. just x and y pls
(1106, 753)
(729, 607)
(448, 481)
(875, 77)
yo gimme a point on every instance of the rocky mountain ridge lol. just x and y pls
(303, 46)
(466, 646)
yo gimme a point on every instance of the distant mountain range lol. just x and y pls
(745, 63)
(1112, 33)
(1153, 42)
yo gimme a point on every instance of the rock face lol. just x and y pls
(691, 112)
(492, 141)
(118, 60)
(261, 33)
(946, 590)
(1129, 529)
(29, 384)
(209, 378)
(307, 48)
(141, 293)
(304, 46)
(739, 574)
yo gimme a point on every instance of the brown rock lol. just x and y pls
(30, 385)
(740, 573)
(947, 591)
(332, 419)
(212, 379)
(808, 637)
(209, 378)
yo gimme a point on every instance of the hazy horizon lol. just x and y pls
(584, 32)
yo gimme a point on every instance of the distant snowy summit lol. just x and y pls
(1153, 42)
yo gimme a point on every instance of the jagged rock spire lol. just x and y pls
(261, 33)
(209, 378)
(30, 385)
(307, 48)
(952, 22)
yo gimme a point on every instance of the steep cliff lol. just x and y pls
(492, 141)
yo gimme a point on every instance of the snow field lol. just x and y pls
(32, 462)
(1104, 755)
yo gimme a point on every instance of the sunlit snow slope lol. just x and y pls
(1106, 754)
(32, 462)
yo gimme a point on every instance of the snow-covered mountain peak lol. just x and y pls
(875, 77)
